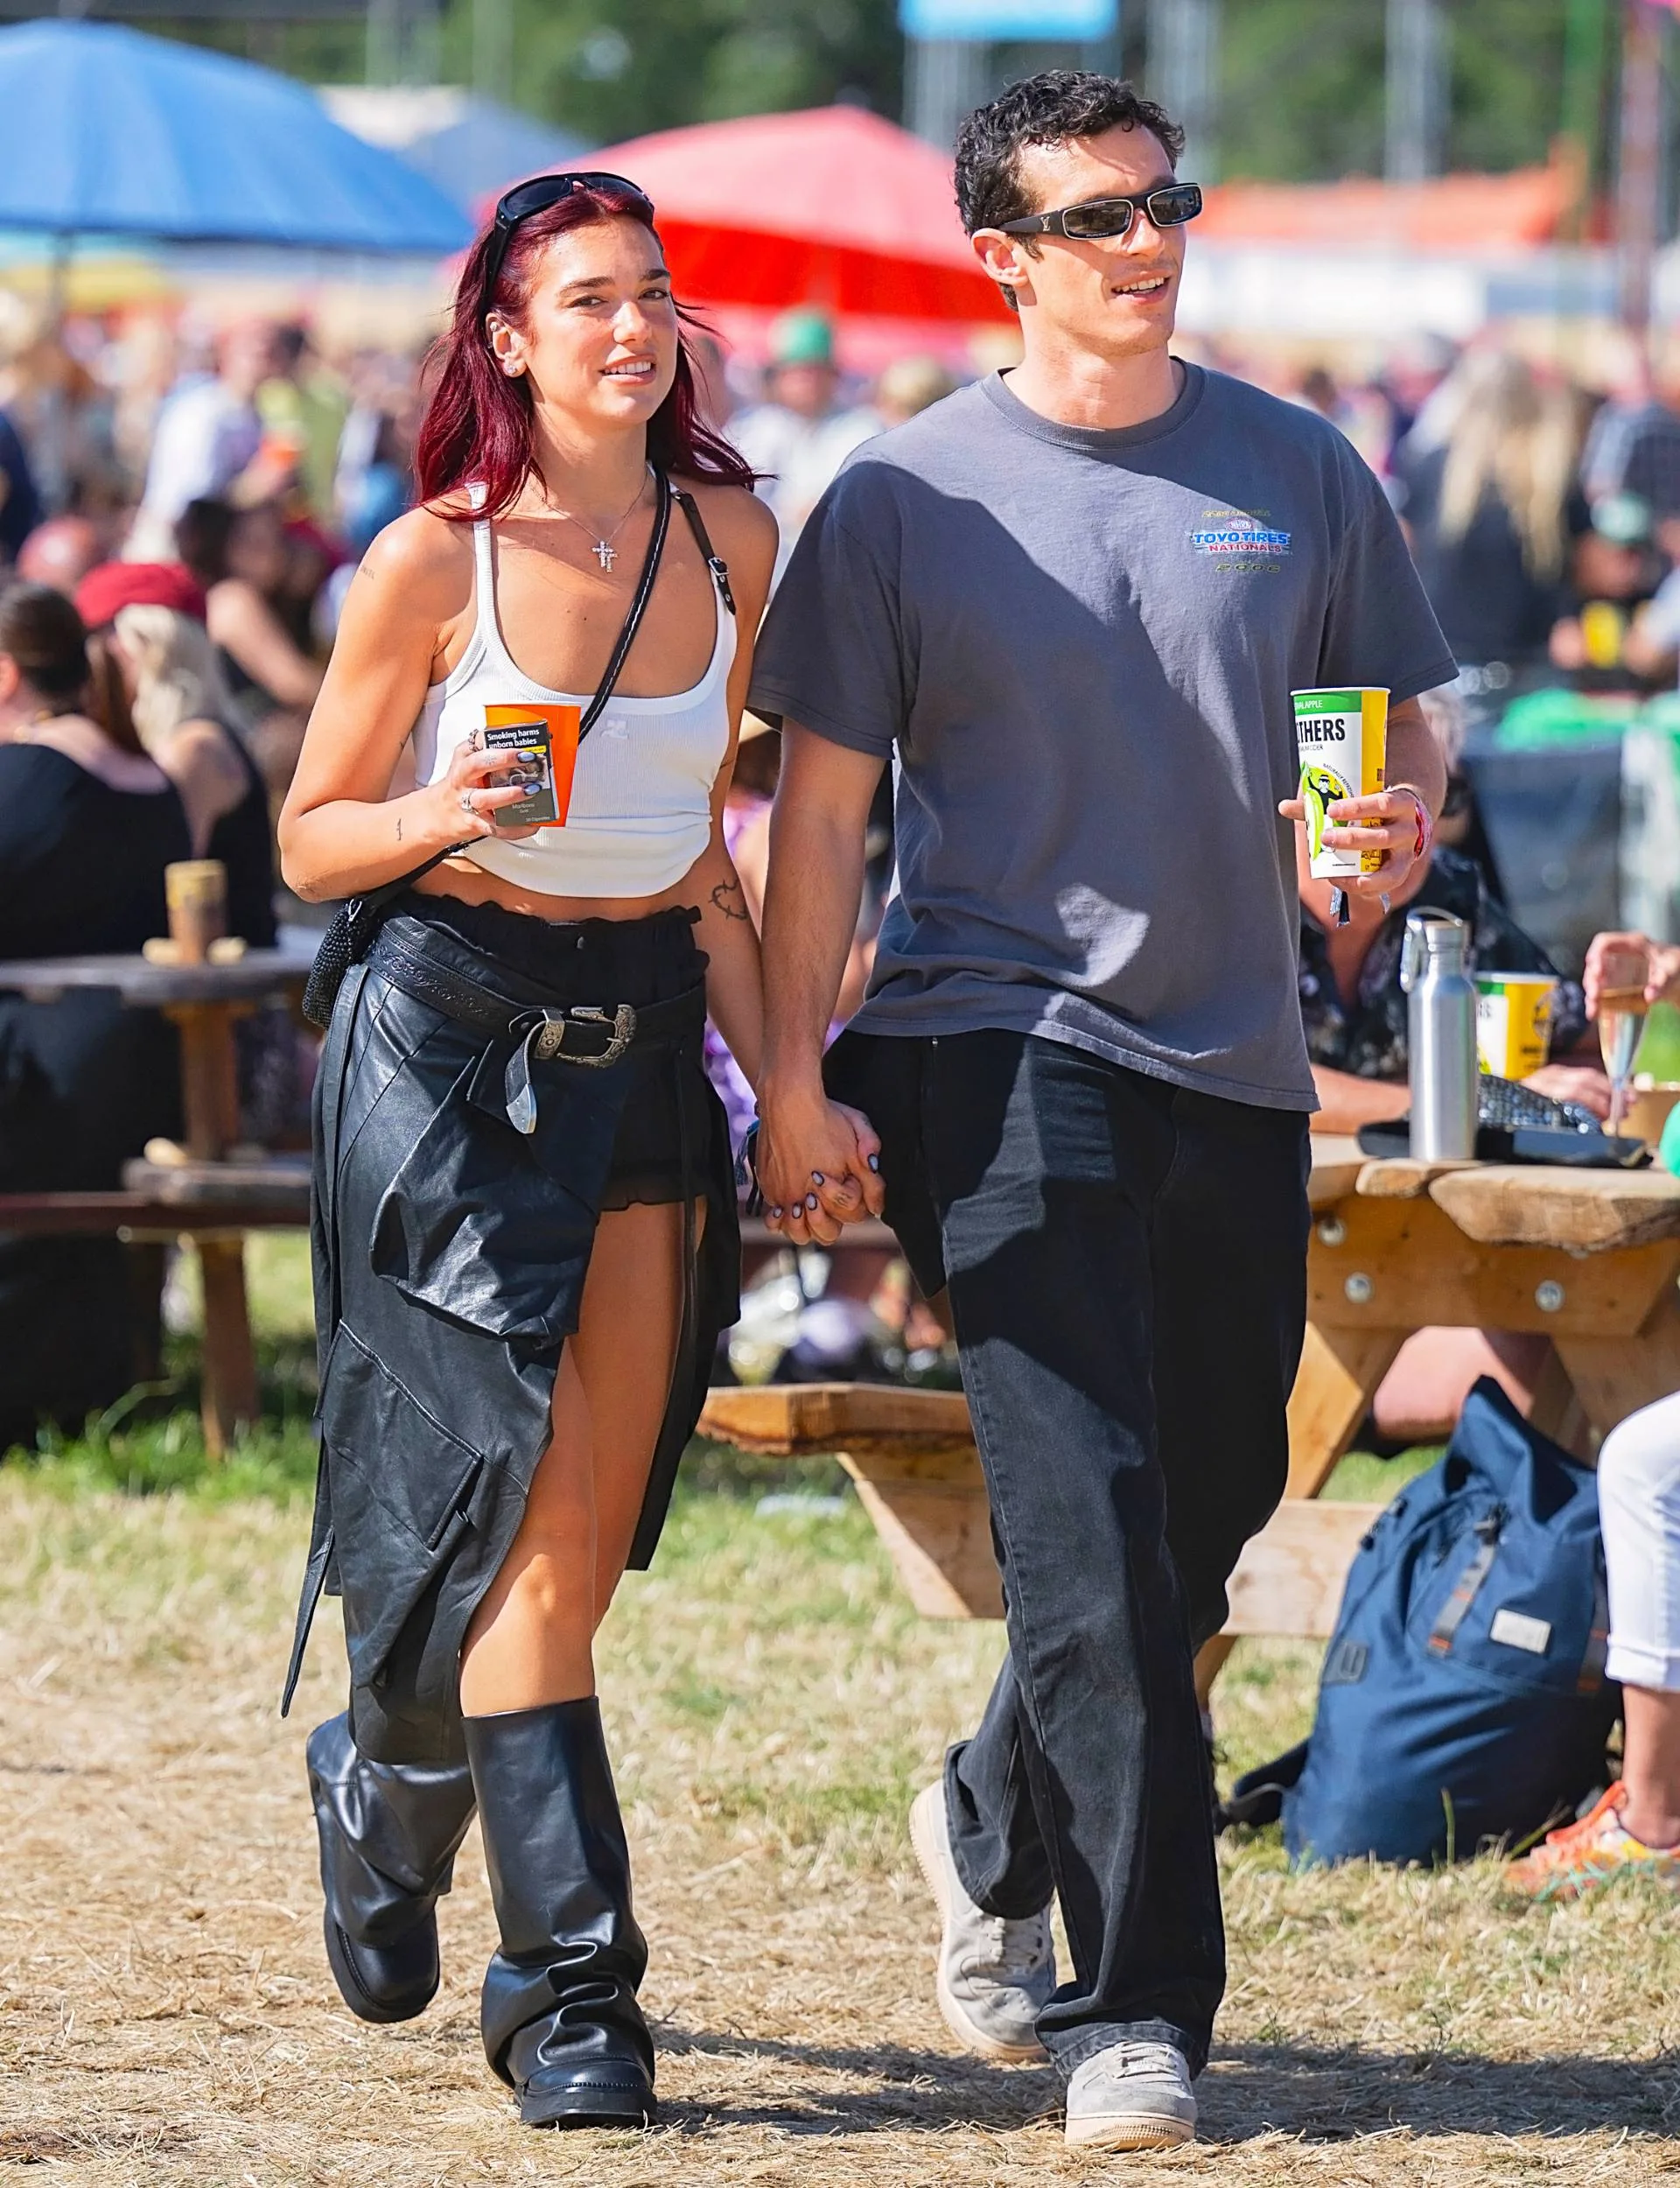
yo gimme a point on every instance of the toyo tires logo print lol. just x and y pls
(1240, 539)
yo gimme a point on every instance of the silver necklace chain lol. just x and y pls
(605, 552)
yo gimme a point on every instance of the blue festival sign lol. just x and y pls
(1012, 19)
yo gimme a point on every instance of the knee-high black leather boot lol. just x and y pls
(560, 2019)
(389, 1834)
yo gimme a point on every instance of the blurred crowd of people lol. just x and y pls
(198, 508)
(1543, 513)
(1544, 516)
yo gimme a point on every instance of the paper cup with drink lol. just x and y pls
(1514, 1021)
(1341, 737)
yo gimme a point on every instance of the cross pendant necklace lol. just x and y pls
(603, 550)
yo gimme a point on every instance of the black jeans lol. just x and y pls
(1127, 1263)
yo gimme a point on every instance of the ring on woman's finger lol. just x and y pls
(467, 806)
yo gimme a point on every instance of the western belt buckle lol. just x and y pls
(549, 1039)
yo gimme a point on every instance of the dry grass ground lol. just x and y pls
(166, 2016)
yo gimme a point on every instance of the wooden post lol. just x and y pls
(209, 1078)
(229, 1397)
(1340, 1373)
(197, 893)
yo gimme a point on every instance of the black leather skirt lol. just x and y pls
(490, 1082)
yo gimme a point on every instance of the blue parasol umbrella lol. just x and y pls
(110, 132)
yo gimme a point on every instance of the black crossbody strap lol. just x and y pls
(638, 607)
(714, 561)
(362, 907)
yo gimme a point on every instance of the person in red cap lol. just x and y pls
(146, 630)
(110, 586)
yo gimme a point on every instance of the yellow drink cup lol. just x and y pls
(1513, 1021)
(1341, 737)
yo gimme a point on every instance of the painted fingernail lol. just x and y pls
(874, 1162)
(776, 1214)
(810, 1199)
(817, 1178)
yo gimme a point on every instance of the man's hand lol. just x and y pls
(1584, 1083)
(1395, 833)
(819, 1166)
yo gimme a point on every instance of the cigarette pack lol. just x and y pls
(541, 743)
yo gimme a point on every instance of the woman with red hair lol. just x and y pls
(525, 1243)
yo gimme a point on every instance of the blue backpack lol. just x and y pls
(1463, 1697)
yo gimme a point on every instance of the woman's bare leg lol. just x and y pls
(530, 1640)
(1650, 1764)
(1420, 1396)
(638, 1263)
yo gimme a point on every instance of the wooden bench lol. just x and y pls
(211, 1195)
(1590, 1258)
(917, 1475)
(213, 1204)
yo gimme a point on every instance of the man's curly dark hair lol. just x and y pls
(1049, 108)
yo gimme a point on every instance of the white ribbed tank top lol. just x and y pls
(640, 810)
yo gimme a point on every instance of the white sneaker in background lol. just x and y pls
(1132, 2097)
(994, 1975)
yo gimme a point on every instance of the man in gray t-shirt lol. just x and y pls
(1070, 605)
(1081, 643)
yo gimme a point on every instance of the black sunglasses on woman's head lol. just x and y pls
(543, 191)
(1101, 220)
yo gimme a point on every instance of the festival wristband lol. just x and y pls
(1425, 825)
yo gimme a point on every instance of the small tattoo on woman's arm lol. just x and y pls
(399, 828)
(728, 900)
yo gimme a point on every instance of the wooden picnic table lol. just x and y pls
(206, 1196)
(1589, 1258)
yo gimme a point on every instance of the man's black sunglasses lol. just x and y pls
(1101, 220)
(543, 191)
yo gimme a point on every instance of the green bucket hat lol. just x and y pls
(803, 338)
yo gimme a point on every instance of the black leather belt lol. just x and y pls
(592, 1035)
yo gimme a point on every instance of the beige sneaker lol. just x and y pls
(1132, 2097)
(994, 1975)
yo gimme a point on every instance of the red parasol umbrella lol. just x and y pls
(834, 207)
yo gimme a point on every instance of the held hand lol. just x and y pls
(469, 798)
(1395, 832)
(816, 1166)
(866, 1160)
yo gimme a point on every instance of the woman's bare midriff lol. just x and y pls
(471, 883)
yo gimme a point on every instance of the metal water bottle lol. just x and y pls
(1441, 1031)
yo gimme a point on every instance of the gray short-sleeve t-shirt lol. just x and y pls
(1078, 647)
